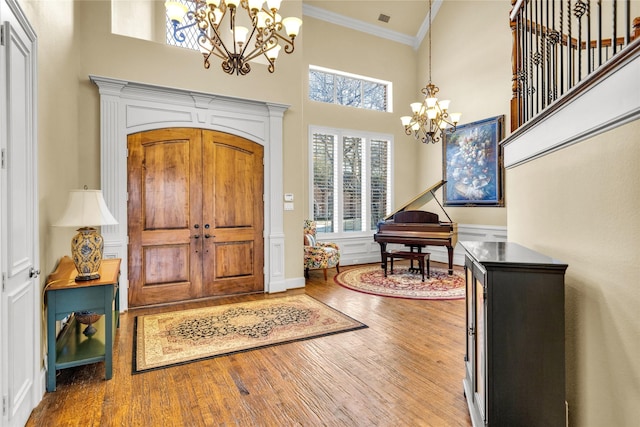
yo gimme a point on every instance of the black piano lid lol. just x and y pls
(420, 200)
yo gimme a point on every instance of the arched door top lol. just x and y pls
(129, 107)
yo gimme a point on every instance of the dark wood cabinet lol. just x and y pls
(515, 366)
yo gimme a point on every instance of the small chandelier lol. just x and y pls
(232, 45)
(430, 117)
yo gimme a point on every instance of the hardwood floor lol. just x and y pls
(405, 369)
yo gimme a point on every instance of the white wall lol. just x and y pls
(581, 205)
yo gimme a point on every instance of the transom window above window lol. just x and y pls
(337, 87)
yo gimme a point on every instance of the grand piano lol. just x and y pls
(417, 229)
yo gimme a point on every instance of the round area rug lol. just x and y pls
(403, 284)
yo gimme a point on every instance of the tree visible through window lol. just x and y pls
(323, 149)
(335, 87)
(351, 179)
(352, 183)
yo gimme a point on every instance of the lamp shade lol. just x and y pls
(176, 11)
(272, 53)
(86, 208)
(274, 4)
(255, 5)
(292, 25)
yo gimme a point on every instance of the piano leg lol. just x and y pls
(450, 251)
(383, 258)
(418, 249)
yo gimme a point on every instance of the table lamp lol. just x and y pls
(86, 209)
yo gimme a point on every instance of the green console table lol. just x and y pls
(65, 296)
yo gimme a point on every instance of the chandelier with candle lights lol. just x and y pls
(236, 45)
(430, 117)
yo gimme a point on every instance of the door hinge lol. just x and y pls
(2, 160)
(4, 406)
(3, 282)
(2, 35)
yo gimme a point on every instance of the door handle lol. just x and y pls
(206, 236)
(33, 272)
(196, 236)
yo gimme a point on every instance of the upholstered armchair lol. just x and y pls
(318, 254)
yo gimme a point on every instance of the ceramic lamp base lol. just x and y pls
(80, 278)
(86, 251)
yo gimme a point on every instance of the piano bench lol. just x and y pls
(421, 257)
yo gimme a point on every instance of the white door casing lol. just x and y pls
(128, 107)
(20, 308)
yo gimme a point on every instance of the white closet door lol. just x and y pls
(20, 310)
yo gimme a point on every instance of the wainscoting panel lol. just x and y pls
(364, 250)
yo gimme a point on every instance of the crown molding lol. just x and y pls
(355, 24)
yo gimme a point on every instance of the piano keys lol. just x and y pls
(416, 228)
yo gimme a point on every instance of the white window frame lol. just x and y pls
(366, 136)
(387, 84)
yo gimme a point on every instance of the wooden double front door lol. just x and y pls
(195, 215)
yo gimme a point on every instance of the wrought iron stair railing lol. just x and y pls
(560, 44)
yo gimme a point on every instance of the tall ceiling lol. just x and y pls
(404, 21)
(406, 17)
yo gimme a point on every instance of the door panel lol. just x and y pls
(195, 215)
(164, 264)
(20, 295)
(240, 253)
(166, 184)
(233, 209)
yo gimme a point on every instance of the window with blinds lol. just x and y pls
(337, 87)
(353, 182)
(351, 179)
(380, 206)
(324, 153)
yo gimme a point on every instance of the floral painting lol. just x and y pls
(472, 164)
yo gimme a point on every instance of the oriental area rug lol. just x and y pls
(403, 283)
(179, 337)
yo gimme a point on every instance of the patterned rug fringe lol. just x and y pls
(179, 337)
(403, 283)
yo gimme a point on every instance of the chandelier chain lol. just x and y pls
(430, 24)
